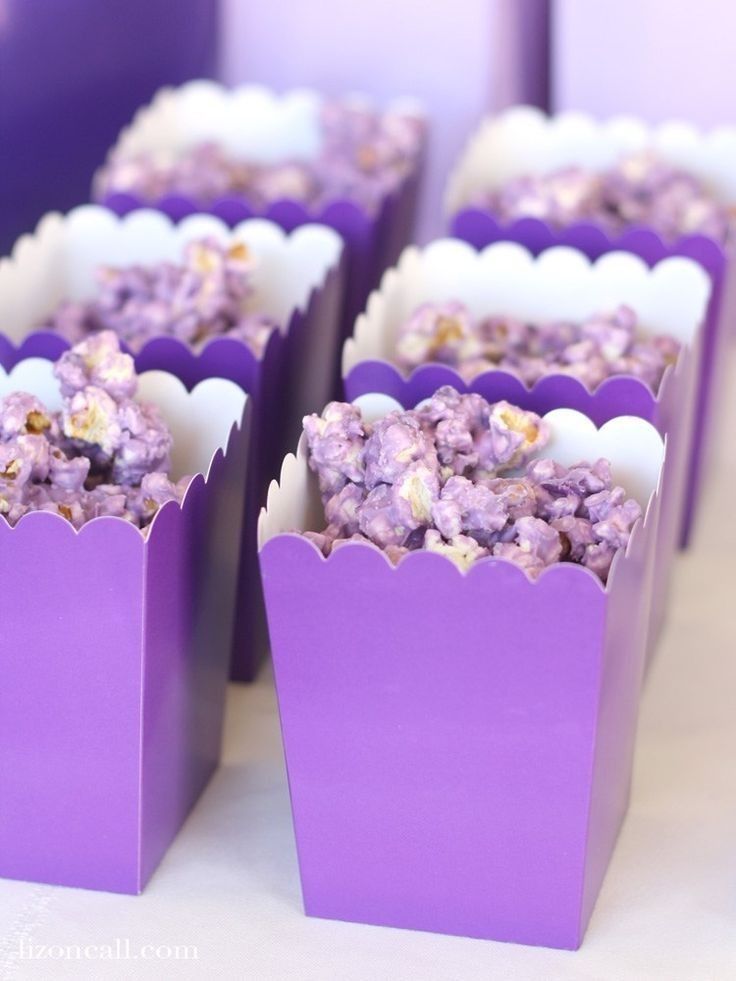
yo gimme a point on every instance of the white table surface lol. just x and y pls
(229, 884)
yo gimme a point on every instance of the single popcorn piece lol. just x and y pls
(145, 442)
(336, 446)
(471, 509)
(431, 478)
(15, 463)
(97, 362)
(341, 510)
(512, 436)
(396, 441)
(601, 346)
(91, 416)
(535, 536)
(21, 413)
(391, 512)
(437, 332)
(101, 455)
(206, 295)
(156, 489)
(461, 550)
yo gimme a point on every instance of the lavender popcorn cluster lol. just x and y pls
(454, 476)
(603, 345)
(640, 190)
(102, 454)
(202, 297)
(364, 156)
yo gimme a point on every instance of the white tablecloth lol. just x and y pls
(229, 885)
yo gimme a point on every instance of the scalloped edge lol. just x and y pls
(641, 240)
(401, 380)
(412, 558)
(370, 340)
(318, 248)
(295, 470)
(145, 116)
(333, 213)
(623, 132)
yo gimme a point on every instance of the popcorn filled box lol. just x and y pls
(652, 190)
(608, 338)
(293, 158)
(254, 304)
(120, 518)
(459, 740)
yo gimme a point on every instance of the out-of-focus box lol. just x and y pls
(461, 59)
(71, 74)
(631, 55)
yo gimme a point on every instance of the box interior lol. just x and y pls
(524, 140)
(506, 279)
(59, 261)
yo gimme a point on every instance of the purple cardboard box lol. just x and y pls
(459, 745)
(298, 282)
(115, 655)
(256, 124)
(524, 140)
(670, 297)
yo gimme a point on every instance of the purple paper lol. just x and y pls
(463, 773)
(115, 663)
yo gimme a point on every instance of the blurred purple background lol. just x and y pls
(658, 59)
(72, 73)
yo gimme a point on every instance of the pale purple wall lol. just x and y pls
(657, 58)
(461, 58)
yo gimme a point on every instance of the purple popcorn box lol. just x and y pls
(298, 282)
(459, 745)
(561, 283)
(258, 125)
(524, 141)
(115, 655)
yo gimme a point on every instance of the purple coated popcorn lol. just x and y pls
(336, 441)
(341, 510)
(432, 478)
(473, 509)
(21, 413)
(103, 454)
(98, 362)
(461, 549)
(364, 156)
(395, 442)
(204, 296)
(438, 332)
(603, 345)
(640, 190)
(474, 438)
